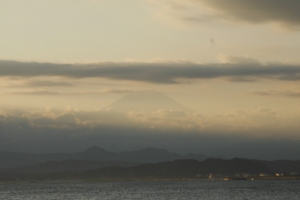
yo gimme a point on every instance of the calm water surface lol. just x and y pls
(208, 190)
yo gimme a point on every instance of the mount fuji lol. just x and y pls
(147, 102)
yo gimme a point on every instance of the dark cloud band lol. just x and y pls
(257, 11)
(170, 72)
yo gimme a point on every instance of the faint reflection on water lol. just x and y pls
(175, 190)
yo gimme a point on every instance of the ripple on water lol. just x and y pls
(175, 190)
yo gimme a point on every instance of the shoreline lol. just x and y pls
(149, 180)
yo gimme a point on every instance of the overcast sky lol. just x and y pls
(234, 63)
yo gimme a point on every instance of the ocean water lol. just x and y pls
(173, 190)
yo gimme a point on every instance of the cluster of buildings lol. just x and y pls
(246, 176)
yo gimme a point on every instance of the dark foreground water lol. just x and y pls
(275, 190)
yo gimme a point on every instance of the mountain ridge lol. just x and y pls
(146, 101)
(213, 168)
(95, 153)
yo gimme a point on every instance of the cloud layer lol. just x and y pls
(45, 92)
(281, 12)
(167, 72)
(276, 93)
(54, 130)
(258, 11)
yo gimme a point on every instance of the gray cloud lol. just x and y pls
(276, 93)
(259, 11)
(45, 83)
(285, 12)
(40, 84)
(50, 92)
(170, 72)
(33, 92)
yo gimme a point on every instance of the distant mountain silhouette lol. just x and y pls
(115, 170)
(94, 149)
(180, 169)
(148, 155)
(147, 102)
(66, 166)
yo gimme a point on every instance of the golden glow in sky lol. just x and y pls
(234, 63)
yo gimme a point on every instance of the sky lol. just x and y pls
(234, 64)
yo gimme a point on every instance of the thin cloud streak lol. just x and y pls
(165, 72)
(40, 84)
(50, 92)
(279, 93)
(46, 83)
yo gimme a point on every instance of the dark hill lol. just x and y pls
(176, 169)
(66, 166)
(148, 155)
(283, 166)
(180, 169)
(236, 165)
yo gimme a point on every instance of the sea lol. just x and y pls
(140, 190)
